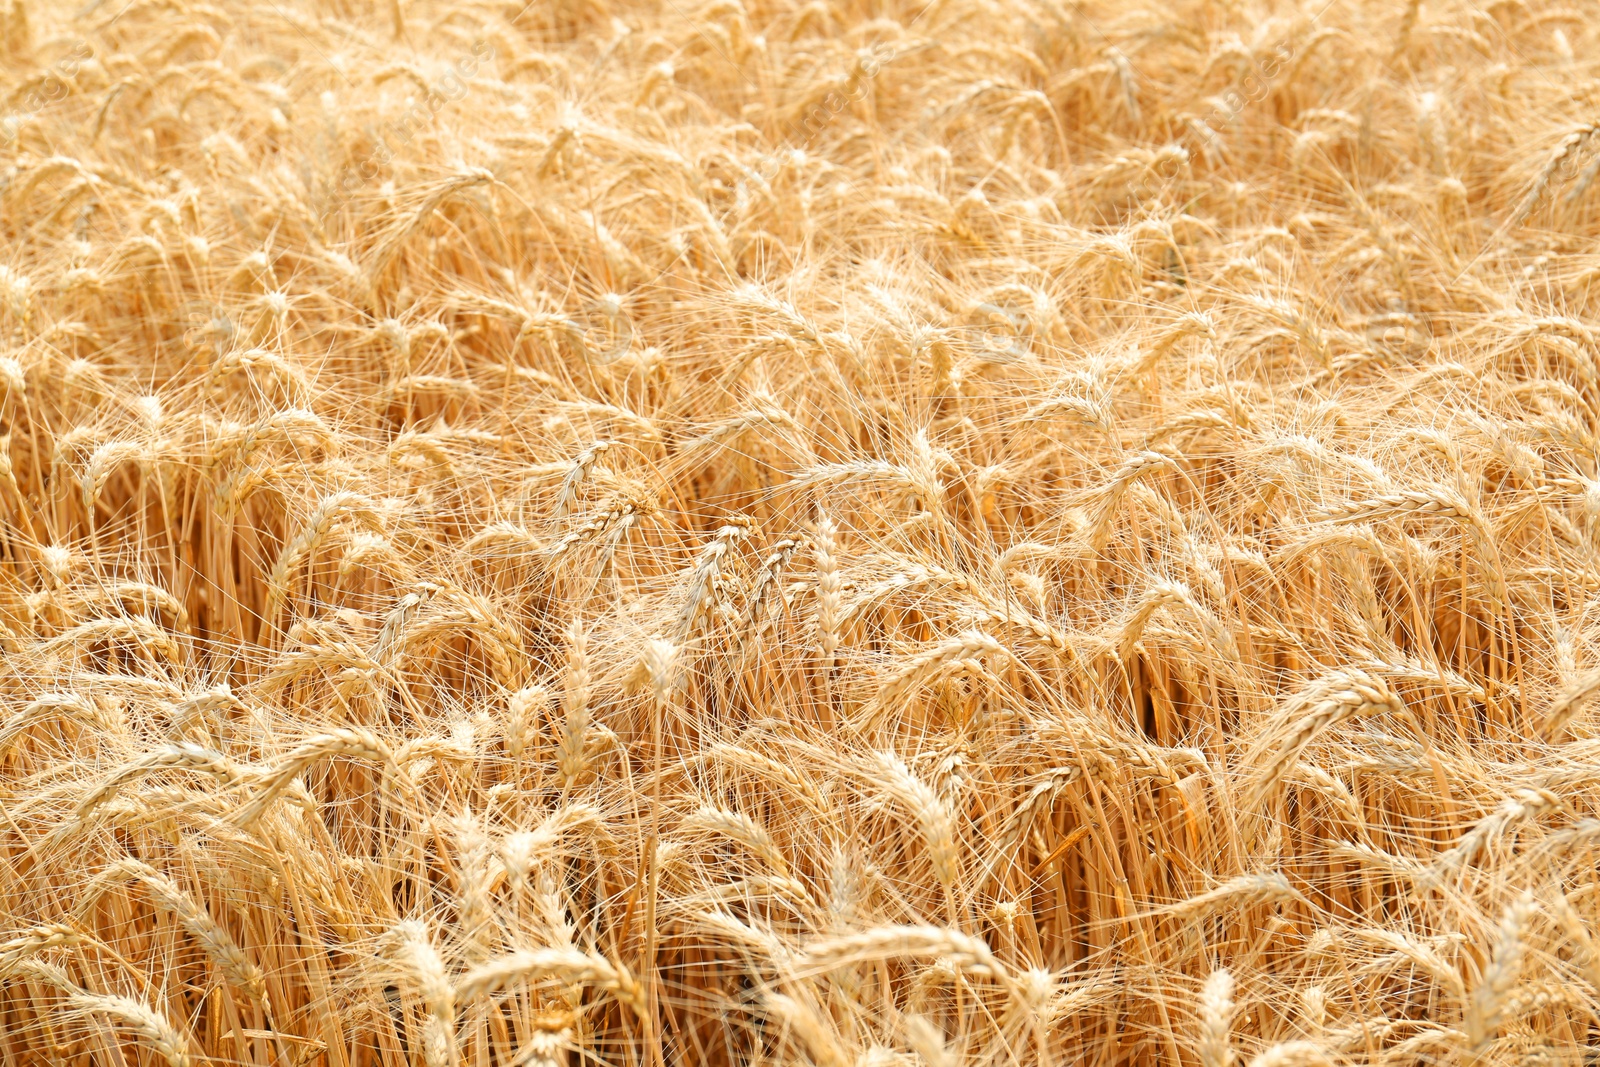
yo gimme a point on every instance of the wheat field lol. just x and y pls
(855, 533)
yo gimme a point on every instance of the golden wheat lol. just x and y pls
(751, 532)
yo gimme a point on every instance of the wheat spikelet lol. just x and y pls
(580, 469)
(153, 1028)
(970, 645)
(1415, 952)
(930, 811)
(1214, 1046)
(1436, 501)
(917, 483)
(1571, 143)
(1332, 788)
(1569, 703)
(567, 965)
(475, 853)
(145, 595)
(527, 706)
(15, 950)
(828, 586)
(142, 633)
(1293, 1054)
(329, 511)
(1486, 1007)
(168, 896)
(357, 744)
(187, 757)
(1577, 931)
(1111, 492)
(67, 705)
(1405, 866)
(574, 706)
(758, 764)
(103, 462)
(968, 953)
(1038, 799)
(524, 850)
(739, 828)
(772, 569)
(1247, 890)
(1158, 596)
(1328, 701)
(408, 944)
(804, 1024)
(612, 522)
(706, 574)
(1525, 804)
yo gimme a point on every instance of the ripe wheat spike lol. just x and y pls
(659, 533)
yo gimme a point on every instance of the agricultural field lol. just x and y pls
(853, 533)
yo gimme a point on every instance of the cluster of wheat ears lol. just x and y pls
(854, 533)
